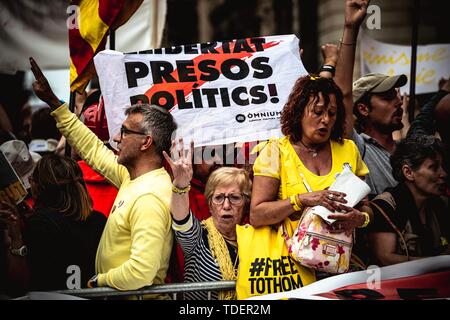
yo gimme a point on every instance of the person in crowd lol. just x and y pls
(403, 132)
(294, 172)
(43, 132)
(210, 246)
(205, 161)
(21, 159)
(412, 219)
(375, 102)
(23, 162)
(434, 115)
(378, 109)
(443, 117)
(62, 234)
(434, 118)
(135, 247)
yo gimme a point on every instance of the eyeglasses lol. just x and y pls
(234, 198)
(128, 131)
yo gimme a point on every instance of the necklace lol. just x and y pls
(233, 244)
(314, 151)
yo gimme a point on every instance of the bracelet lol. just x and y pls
(181, 190)
(296, 204)
(347, 44)
(329, 68)
(366, 221)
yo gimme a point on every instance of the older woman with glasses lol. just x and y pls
(210, 246)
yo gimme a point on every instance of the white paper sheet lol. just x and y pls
(348, 183)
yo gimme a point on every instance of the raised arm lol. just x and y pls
(355, 12)
(330, 54)
(81, 138)
(42, 88)
(182, 174)
(424, 122)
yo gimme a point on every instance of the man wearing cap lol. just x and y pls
(373, 99)
(375, 102)
(378, 110)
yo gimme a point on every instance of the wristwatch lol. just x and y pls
(92, 282)
(22, 251)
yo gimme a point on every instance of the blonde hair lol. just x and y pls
(226, 176)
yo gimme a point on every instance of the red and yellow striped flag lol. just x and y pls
(96, 18)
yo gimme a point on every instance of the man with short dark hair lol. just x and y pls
(374, 100)
(135, 247)
(378, 110)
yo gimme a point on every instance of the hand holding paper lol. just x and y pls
(348, 183)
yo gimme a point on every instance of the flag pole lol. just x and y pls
(112, 40)
(72, 109)
(412, 78)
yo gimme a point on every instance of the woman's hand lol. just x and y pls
(182, 167)
(347, 222)
(330, 54)
(332, 200)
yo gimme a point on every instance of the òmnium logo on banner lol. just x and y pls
(258, 116)
(240, 118)
(222, 85)
(263, 115)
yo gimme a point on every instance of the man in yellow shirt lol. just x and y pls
(135, 247)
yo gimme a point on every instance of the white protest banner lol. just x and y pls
(433, 62)
(218, 92)
(426, 278)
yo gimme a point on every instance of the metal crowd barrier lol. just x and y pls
(173, 289)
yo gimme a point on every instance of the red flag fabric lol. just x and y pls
(95, 18)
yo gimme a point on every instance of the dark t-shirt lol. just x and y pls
(422, 239)
(56, 242)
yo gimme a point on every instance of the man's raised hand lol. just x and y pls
(42, 88)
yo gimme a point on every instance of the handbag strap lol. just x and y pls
(285, 235)
(399, 233)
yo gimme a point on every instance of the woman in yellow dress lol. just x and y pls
(294, 172)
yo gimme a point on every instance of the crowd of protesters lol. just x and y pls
(137, 216)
